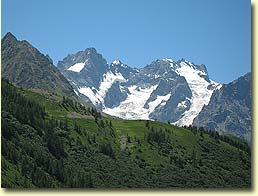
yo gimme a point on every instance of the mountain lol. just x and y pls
(91, 76)
(229, 110)
(164, 90)
(57, 143)
(25, 66)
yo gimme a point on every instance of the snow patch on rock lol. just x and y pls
(77, 67)
(160, 100)
(108, 79)
(97, 96)
(87, 91)
(182, 104)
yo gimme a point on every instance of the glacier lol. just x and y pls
(132, 107)
(200, 91)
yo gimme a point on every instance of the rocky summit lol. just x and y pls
(25, 66)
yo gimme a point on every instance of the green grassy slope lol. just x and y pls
(51, 141)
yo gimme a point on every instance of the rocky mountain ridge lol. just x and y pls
(25, 66)
(229, 110)
(164, 90)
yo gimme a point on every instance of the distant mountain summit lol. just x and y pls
(164, 90)
(25, 66)
(229, 110)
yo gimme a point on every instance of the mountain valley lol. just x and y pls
(90, 124)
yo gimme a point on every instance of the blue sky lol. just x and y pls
(216, 33)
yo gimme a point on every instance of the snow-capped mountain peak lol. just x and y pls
(165, 90)
(168, 60)
(116, 62)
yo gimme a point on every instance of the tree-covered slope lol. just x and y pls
(57, 142)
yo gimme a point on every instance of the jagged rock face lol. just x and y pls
(115, 95)
(84, 63)
(165, 90)
(171, 111)
(25, 66)
(229, 110)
